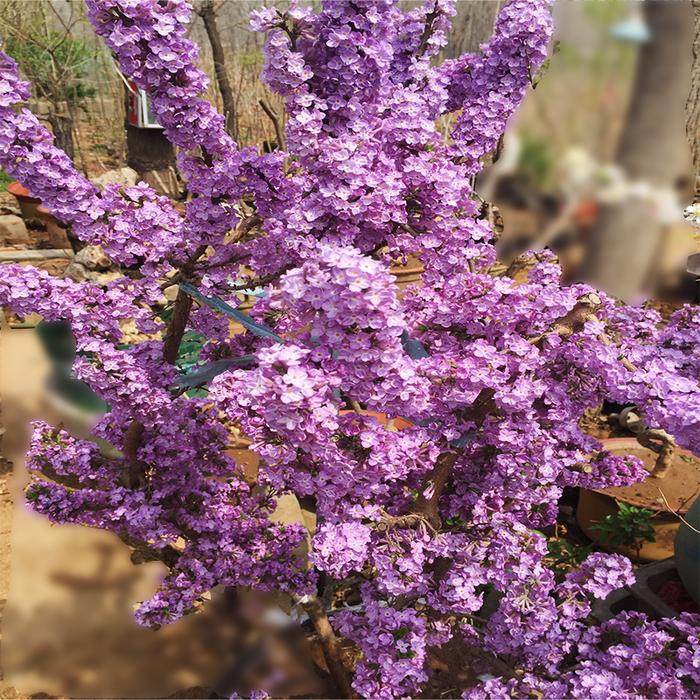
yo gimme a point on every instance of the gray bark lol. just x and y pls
(207, 12)
(620, 253)
(62, 128)
(471, 26)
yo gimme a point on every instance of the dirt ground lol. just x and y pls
(67, 593)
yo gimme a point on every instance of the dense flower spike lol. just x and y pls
(149, 41)
(490, 87)
(482, 380)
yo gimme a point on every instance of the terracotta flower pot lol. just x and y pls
(28, 205)
(239, 449)
(58, 236)
(239, 445)
(679, 487)
(407, 274)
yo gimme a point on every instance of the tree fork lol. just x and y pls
(171, 345)
(427, 504)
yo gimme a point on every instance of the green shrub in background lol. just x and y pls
(5, 180)
(629, 527)
(57, 68)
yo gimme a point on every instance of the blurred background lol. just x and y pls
(596, 165)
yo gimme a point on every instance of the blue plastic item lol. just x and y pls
(633, 30)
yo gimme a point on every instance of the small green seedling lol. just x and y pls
(629, 527)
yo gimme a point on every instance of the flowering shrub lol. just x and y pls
(491, 375)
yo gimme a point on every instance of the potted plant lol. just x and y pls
(490, 375)
(642, 519)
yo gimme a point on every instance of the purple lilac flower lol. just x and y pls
(496, 392)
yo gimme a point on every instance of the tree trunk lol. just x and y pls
(652, 148)
(152, 156)
(62, 127)
(693, 103)
(472, 26)
(208, 14)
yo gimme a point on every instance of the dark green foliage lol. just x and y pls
(5, 180)
(57, 68)
(629, 527)
(564, 555)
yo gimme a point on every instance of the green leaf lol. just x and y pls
(190, 348)
(406, 654)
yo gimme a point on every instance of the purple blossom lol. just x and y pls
(497, 394)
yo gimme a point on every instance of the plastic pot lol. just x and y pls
(642, 596)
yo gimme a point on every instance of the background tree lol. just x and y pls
(472, 26)
(652, 148)
(44, 43)
(693, 104)
(207, 10)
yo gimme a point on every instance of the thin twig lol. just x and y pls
(276, 122)
(678, 515)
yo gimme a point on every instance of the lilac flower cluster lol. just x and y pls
(491, 86)
(628, 656)
(397, 647)
(487, 378)
(348, 303)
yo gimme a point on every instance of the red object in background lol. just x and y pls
(27, 204)
(132, 105)
(138, 109)
(675, 596)
(18, 190)
(586, 212)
